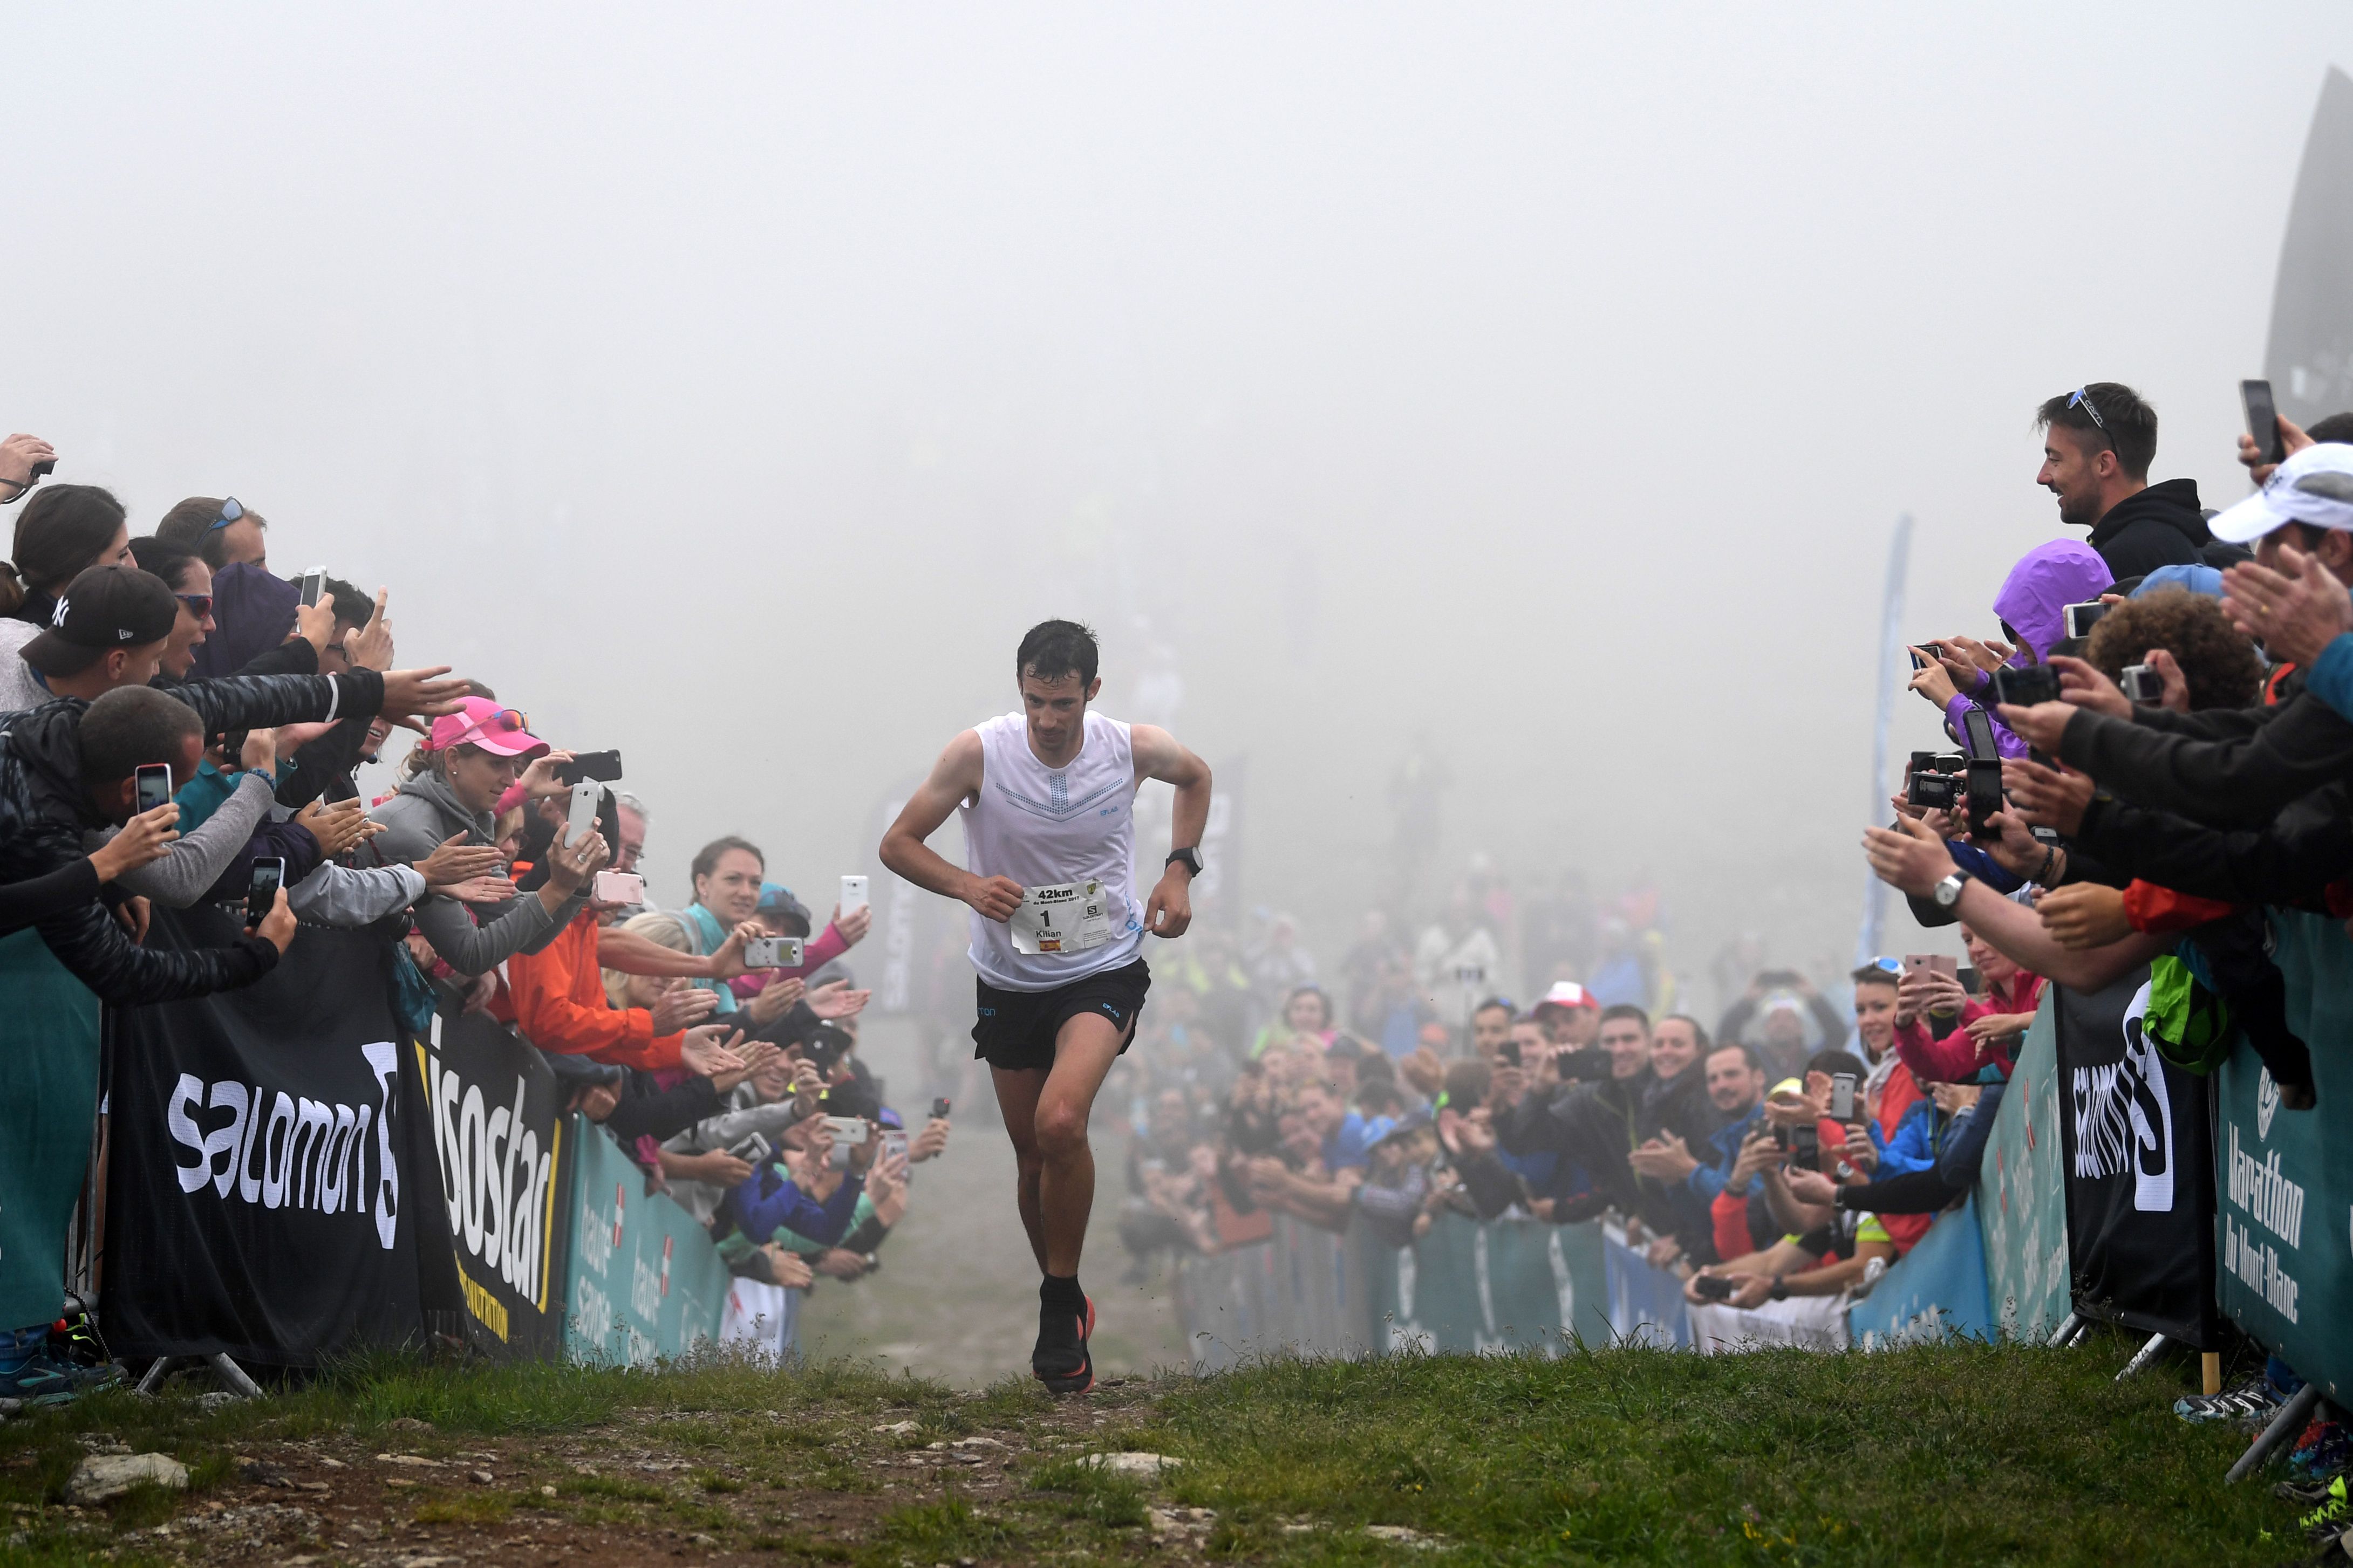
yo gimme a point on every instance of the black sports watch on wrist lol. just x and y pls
(1189, 858)
(1779, 1292)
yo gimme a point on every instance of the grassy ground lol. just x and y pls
(1955, 1454)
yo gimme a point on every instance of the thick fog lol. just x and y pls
(733, 384)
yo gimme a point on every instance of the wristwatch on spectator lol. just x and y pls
(1948, 892)
(1190, 857)
(1780, 1291)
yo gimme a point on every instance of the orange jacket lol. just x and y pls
(558, 994)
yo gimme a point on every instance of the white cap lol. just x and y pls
(1568, 993)
(2313, 487)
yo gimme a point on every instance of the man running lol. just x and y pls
(1048, 826)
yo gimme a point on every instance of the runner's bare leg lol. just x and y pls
(1084, 1049)
(1017, 1089)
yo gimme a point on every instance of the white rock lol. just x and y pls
(898, 1428)
(1398, 1535)
(1131, 1464)
(409, 1459)
(104, 1476)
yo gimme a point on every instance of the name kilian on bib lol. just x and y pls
(1067, 917)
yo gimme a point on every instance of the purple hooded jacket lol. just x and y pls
(253, 610)
(2046, 579)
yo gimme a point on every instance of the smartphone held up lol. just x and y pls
(261, 891)
(2262, 420)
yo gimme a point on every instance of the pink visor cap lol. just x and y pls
(480, 721)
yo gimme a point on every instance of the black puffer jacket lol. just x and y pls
(44, 808)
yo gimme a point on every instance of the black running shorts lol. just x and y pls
(1016, 1029)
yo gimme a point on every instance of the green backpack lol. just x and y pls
(2190, 1024)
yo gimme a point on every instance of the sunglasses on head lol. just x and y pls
(230, 512)
(2084, 396)
(1888, 965)
(506, 720)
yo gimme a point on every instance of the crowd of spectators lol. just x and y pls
(174, 716)
(2160, 717)
(2161, 768)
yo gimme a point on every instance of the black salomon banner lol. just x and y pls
(258, 1187)
(2137, 1143)
(499, 1130)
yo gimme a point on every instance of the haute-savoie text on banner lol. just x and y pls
(501, 1137)
(643, 1281)
(257, 1176)
(2022, 1194)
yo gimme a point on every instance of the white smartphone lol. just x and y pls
(853, 895)
(314, 585)
(586, 795)
(848, 1129)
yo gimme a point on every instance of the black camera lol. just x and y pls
(2025, 687)
(1935, 781)
(604, 767)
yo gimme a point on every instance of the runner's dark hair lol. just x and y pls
(1053, 649)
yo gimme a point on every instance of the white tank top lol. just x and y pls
(1045, 827)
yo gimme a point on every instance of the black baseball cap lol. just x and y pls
(105, 607)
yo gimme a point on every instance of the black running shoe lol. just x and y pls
(1062, 1360)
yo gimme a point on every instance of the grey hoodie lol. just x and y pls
(416, 822)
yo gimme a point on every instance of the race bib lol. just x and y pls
(1068, 917)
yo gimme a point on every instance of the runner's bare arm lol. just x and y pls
(1159, 756)
(955, 776)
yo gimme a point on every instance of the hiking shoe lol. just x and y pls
(2325, 1449)
(2303, 1494)
(2333, 1515)
(2251, 1400)
(1062, 1360)
(44, 1380)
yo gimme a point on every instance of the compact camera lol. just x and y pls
(2143, 684)
(773, 952)
(1937, 781)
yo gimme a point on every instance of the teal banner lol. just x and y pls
(2283, 1208)
(2021, 1197)
(1935, 1292)
(1507, 1285)
(643, 1282)
(1301, 1292)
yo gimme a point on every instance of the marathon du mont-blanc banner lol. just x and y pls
(2138, 1153)
(503, 1149)
(2285, 1216)
(261, 1178)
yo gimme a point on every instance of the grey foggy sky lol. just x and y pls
(732, 386)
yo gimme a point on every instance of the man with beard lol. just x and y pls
(2097, 444)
